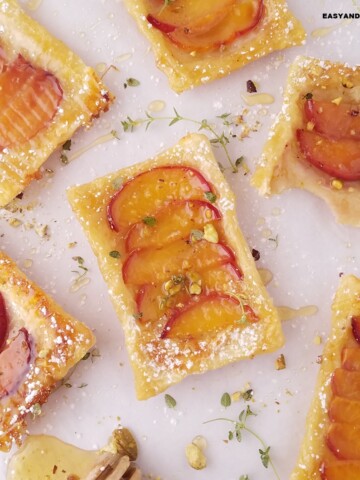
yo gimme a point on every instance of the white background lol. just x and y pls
(312, 251)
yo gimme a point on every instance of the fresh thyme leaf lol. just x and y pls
(86, 356)
(67, 145)
(210, 196)
(80, 260)
(275, 240)
(115, 254)
(150, 221)
(231, 435)
(265, 456)
(115, 134)
(244, 477)
(131, 82)
(129, 124)
(67, 385)
(170, 401)
(224, 115)
(83, 385)
(225, 400)
(238, 434)
(239, 161)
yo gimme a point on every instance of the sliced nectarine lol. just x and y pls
(344, 441)
(334, 121)
(29, 100)
(341, 470)
(339, 158)
(355, 325)
(138, 198)
(242, 18)
(4, 321)
(194, 16)
(173, 222)
(343, 410)
(154, 300)
(209, 314)
(14, 362)
(346, 384)
(350, 358)
(151, 265)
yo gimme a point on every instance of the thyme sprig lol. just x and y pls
(221, 139)
(239, 427)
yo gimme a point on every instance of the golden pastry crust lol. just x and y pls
(345, 306)
(282, 165)
(84, 96)
(278, 29)
(158, 363)
(58, 342)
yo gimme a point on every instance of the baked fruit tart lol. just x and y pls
(315, 141)
(331, 447)
(39, 344)
(47, 92)
(180, 274)
(196, 41)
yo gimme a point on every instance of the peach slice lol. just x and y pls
(173, 222)
(343, 410)
(147, 192)
(334, 121)
(4, 321)
(208, 314)
(355, 325)
(158, 265)
(341, 470)
(344, 441)
(194, 16)
(350, 358)
(243, 17)
(153, 302)
(346, 384)
(339, 158)
(29, 100)
(14, 362)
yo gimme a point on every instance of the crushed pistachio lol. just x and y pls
(210, 233)
(337, 100)
(337, 184)
(280, 363)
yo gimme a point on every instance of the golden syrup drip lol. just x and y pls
(322, 32)
(43, 456)
(258, 99)
(103, 139)
(156, 106)
(266, 275)
(288, 313)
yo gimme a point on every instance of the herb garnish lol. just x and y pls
(221, 139)
(114, 254)
(210, 196)
(150, 221)
(131, 82)
(226, 400)
(244, 477)
(251, 87)
(81, 266)
(65, 148)
(240, 426)
(170, 401)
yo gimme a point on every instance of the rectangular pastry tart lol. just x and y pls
(331, 447)
(47, 92)
(315, 141)
(39, 344)
(196, 41)
(180, 274)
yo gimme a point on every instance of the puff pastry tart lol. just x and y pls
(196, 41)
(47, 92)
(179, 271)
(331, 448)
(315, 142)
(39, 344)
